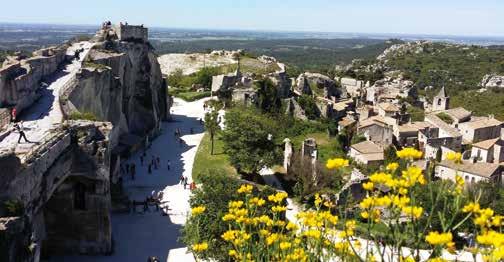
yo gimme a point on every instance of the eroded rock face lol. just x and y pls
(64, 189)
(319, 84)
(20, 78)
(492, 81)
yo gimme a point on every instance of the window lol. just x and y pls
(80, 196)
(439, 102)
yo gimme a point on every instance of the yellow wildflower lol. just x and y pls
(337, 163)
(285, 245)
(278, 197)
(413, 211)
(198, 210)
(278, 209)
(435, 238)
(257, 201)
(409, 153)
(313, 233)
(392, 167)
(471, 208)
(229, 235)
(228, 217)
(454, 156)
(232, 253)
(200, 247)
(368, 186)
(245, 189)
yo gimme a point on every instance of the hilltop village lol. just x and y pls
(105, 151)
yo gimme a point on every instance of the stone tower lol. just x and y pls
(441, 101)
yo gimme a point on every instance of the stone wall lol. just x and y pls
(78, 153)
(131, 32)
(20, 79)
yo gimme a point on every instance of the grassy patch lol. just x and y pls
(218, 162)
(445, 117)
(83, 116)
(95, 66)
(328, 147)
(417, 114)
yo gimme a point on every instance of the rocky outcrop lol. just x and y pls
(64, 190)
(21, 78)
(319, 84)
(294, 109)
(121, 82)
(492, 81)
(279, 78)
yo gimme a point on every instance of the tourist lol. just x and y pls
(149, 169)
(13, 115)
(19, 127)
(185, 183)
(191, 130)
(201, 121)
(141, 160)
(168, 165)
(181, 179)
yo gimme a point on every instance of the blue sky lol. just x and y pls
(462, 17)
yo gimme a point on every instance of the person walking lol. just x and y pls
(185, 182)
(19, 127)
(168, 165)
(13, 115)
(149, 169)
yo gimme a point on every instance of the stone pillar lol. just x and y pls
(287, 155)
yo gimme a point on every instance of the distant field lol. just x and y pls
(304, 54)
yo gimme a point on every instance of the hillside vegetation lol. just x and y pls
(455, 66)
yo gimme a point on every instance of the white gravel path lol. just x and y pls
(45, 113)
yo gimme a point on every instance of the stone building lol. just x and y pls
(470, 172)
(367, 153)
(441, 101)
(377, 129)
(488, 151)
(480, 129)
(127, 32)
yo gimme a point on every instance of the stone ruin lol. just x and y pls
(61, 187)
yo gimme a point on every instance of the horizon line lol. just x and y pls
(269, 31)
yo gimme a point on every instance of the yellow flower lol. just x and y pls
(454, 156)
(435, 238)
(336, 163)
(413, 211)
(228, 217)
(313, 233)
(291, 226)
(407, 259)
(235, 204)
(285, 245)
(232, 253)
(318, 200)
(229, 235)
(437, 259)
(198, 210)
(409, 153)
(471, 208)
(257, 201)
(278, 197)
(245, 189)
(392, 167)
(200, 247)
(459, 184)
(368, 186)
(271, 239)
(278, 209)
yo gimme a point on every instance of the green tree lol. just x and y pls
(248, 139)
(212, 126)
(309, 105)
(267, 96)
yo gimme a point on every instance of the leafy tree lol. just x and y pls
(212, 126)
(390, 155)
(267, 96)
(309, 106)
(248, 139)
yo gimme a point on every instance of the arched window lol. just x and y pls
(439, 102)
(79, 196)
